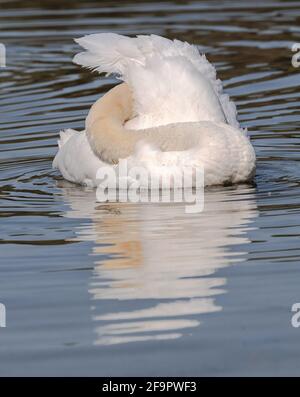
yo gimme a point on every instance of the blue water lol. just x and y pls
(146, 289)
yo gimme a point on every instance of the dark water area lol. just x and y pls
(146, 289)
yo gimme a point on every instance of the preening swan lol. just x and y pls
(169, 110)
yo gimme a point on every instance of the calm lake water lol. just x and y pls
(146, 289)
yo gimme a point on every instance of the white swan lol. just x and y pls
(170, 110)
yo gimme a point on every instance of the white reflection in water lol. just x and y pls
(160, 260)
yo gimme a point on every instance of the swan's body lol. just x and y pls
(170, 111)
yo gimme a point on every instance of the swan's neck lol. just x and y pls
(105, 125)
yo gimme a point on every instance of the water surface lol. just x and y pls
(146, 289)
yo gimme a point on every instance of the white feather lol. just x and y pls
(171, 81)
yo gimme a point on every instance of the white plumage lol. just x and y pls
(171, 83)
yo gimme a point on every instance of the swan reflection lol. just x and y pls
(157, 265)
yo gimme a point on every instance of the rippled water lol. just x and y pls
(146, 289)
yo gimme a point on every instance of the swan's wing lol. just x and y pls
(171, 81)
(108, 53)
